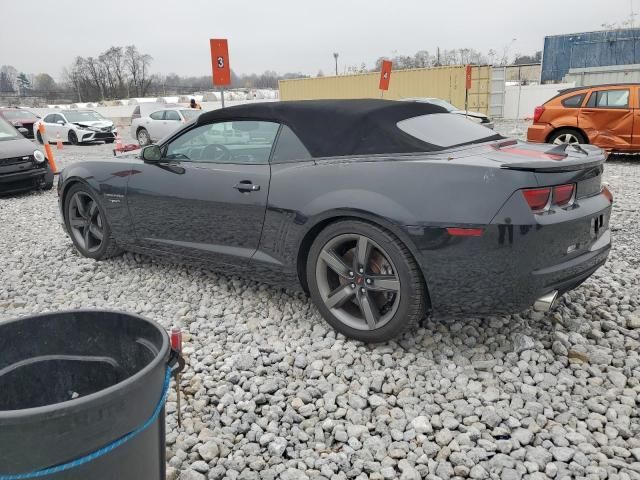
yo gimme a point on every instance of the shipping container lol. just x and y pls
(447, 83)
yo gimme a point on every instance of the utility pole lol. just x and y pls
(335, 57)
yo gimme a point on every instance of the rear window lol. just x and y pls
(574, 101)
(190, 114)
(609, 99)
(445, 130)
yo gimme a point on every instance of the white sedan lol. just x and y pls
(76, 126)
(161, 123)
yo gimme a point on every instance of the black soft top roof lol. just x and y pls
(330, 128)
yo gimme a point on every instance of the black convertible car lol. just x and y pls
(381, 210)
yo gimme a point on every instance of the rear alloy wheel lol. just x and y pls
(364, 281)
(567, 135)
(143, 137)
(87, 225)
(73, 138)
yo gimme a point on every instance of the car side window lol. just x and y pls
(289, 148)
(244, 141)
(157, 115)
(171, 115)
(574, 101)
(49, 118)
(609, 99)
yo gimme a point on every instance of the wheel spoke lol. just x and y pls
(384, 282)
(81, 207)
(369, 310)
(93, 208)
(77, 222)
(340, 296)
(363, 249)
(335, 263)
(96, 232)
(85, 237)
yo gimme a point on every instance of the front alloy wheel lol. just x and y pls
(364, 281)
(87, 225)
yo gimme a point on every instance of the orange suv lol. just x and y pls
(603, 115)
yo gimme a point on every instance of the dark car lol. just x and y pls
(381, 210)
(22, 119)
(22, 165)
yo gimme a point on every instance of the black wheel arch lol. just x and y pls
(321, 222)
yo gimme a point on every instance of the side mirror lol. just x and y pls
(60, 122)
(151, 153)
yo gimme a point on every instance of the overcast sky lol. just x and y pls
(283, 35)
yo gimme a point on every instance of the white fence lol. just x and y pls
(121, 114)
(520, 101)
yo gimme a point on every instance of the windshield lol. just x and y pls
(86, 116)
(7, 132)
(18, 115)
(190, 114)
(446, 130)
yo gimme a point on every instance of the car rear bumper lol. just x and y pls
(538, 133)
(511, 266)
(25, 180)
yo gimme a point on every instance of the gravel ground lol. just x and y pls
(273, 392)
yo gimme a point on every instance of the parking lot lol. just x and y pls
(273, 392)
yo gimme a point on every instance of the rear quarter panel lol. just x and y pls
(406, 196)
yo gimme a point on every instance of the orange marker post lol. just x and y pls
(47, 149)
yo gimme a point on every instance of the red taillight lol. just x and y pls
(537, 113)
(537, 198)
(563, 194)
(465, 232)
(607, 193)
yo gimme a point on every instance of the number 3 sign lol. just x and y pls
(220, 61)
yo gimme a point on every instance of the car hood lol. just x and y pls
(94, 123)
(16, 148)
(470, 114)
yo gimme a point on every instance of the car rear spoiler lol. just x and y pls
(567, 165)
(557, 159)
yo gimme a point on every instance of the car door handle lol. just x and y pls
(246, 186)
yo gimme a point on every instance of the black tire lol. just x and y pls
(73, 138)
(143, 137)
(412, 303)
(47, 186)
(39, 138)
(108, 247)
(561, 134)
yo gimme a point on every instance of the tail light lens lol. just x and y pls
(607, 193)
(537, 198)
(563, 194)
(537, 113)
(540, 199)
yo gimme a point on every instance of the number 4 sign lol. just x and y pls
(220, 61)
(385, 75)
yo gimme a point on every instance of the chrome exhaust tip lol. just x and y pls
(545, 302)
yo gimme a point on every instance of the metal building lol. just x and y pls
(447, 83)
(588, 50)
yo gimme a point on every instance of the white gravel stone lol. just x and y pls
(270, 391)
